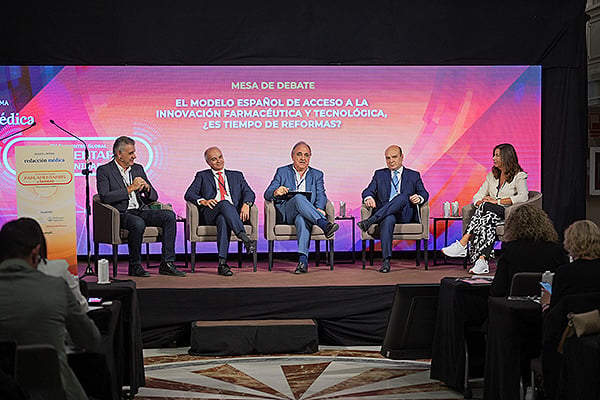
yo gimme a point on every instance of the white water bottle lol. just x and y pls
(547, 277)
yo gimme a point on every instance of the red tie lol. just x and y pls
(222, 190)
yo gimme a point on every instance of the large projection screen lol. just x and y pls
(446, 119)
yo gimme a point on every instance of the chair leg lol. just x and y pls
(115, 253)
(147, 255)
(331, 253)
(193, 255)
(364, 252)
(271, 243)
(239, 254)
(317, 252)
(371, 251)
(254, 258)
(96, 250)
(418, 251)
(425, 256)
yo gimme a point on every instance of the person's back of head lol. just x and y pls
(21, 238)
(528, 222)
(582, 240)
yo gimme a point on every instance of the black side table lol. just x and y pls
(446, 220)
(353, 219)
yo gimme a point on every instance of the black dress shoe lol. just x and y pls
(224, 270)
(167, 268)
(330, 229)
(385, 268)
(138, 270)
(363, 225)
(301, 268)
(250, 246)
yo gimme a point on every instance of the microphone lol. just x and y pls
(17, 132)
(87, 153)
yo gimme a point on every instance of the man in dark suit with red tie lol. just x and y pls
(123, 184)
(224, 199)
(394, 192)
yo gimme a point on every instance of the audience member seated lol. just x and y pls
(581, 276)
(57, 268)
(530, 245)
(36, 308)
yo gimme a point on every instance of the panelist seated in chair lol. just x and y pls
(299, 210)
(36, 309)
(505, 185)
(224, 199)
(530, 245)
(124, 185)
(394, 192)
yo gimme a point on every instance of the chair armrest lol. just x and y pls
(365, 212)
(107, 222)
(270, 220)
(424, 208)
(192, 220)
(330, 211)
(467, 214)
(254, 222)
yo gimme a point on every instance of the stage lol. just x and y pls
(350, 305)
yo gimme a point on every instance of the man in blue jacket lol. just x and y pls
(299, 210)
(224, 199)
(394, 193)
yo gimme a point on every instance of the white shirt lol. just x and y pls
(126, 175)
(218, 194)
(516, 190)
(300, 180)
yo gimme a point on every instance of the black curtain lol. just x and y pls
(316, 32)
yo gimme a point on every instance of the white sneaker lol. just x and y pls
(481, 267)
(455, 250)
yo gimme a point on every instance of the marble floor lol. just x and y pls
(331, 373)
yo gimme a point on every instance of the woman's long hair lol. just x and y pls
(509, 160)
(528, 222)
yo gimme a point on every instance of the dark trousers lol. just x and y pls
(387, 216)
(227, 219)
(135, 221)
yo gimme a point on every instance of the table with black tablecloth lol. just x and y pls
(133, 357)
(513, 339)
(461, 305)
(99, 371)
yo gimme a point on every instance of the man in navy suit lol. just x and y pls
(299, 210)
(224, 199)
(123, 184)
(394, 192)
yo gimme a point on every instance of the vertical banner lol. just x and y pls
(45, 192)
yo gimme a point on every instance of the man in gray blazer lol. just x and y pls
(124, 185)
(36, 308)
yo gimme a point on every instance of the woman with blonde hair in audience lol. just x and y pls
(581, 276)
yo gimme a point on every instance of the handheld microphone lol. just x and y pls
(17, 132)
